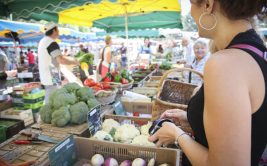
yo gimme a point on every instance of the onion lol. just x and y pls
(111, 162)
(126, 163)
(139, 162)
(97, 160)
(151, 162)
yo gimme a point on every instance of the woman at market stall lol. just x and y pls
(104, 66)
(232, 128)
(201, 56)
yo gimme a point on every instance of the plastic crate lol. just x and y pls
(33, 101)
(34, 106)
(29, 96)
(2, 133)
(12, 126)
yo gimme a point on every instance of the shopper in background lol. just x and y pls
(160, 49)
(188, 51)
(49, 57)
(30, 59)
(82, 49)
(123, 52)
(106, 57)
(21, 58)
(228, 114)
(201, 52)
(3, 65)
(145, 49)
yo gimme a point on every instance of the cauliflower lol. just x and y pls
(78, 113)
(110, 124)
(145, 128)
(61, 117)
(142, 140)
(126, 133)
(102, 136)
(46, 113)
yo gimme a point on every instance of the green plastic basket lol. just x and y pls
(2, 133)
(33, 101)
(34, 106)
(34, 96)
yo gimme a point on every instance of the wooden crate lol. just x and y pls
(78, 130)
(15, 154)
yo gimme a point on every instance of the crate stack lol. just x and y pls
(34, 101)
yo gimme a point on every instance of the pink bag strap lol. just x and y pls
(251, 48)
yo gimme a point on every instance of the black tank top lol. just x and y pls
(259, 118)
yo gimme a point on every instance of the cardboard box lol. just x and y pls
(142, 106)
(78, 151)
(25, 115)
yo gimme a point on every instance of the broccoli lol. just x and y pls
(92, 102)
(61, 117)
(85, 93)
(72, 87)
(46, 113)
(56, 93)
(64, 99)
(78, 113)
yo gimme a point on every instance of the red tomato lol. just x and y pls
(89, 82)
(124, 81)
(99, 85)
(107, 79)
(106, 86)
(96, 88)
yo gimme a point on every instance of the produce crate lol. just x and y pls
(25, 115)
(137, 106)
(85, 148)
(11, 127)
(79, 130)
(29, 96)
(16, 154)
(34, 106)
(6, 104)
(147, 91)
(128, 119)
(153, 81)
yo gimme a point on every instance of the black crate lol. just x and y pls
(14, 128)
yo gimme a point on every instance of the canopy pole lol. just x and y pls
(126, 25)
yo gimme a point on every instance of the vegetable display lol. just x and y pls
(97, 86)
(46, 113)
(69, 104)
(61, 117)
(123, 77)
(78, 113)
(126, 133)
(165, 65)
(99, 160)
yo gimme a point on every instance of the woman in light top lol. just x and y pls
(106, 56)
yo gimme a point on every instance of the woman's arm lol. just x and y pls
(227, 118)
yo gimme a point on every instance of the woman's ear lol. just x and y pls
(209, 6)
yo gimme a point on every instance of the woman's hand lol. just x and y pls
(166, 135)
(178, 116)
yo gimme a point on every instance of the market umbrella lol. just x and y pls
(132, 33)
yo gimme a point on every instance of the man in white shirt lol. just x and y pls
(188, 51)
(49, 57)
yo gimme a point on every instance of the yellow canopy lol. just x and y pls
(85, 15)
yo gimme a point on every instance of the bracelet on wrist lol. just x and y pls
(178, 137)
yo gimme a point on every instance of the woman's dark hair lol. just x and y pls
(50, 32)
(241, 9)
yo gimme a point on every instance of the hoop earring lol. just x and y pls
(202, 26)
